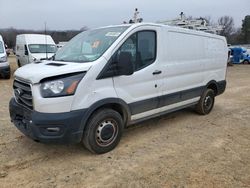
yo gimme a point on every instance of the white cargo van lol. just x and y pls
(4, 64)
(31, 48)
(108, 78)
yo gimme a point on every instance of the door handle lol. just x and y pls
(156, 72)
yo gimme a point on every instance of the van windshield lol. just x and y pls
(1, 47)
(42, 48)
(89, 45)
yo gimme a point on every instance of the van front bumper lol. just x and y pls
(47, 127)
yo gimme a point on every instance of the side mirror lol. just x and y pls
(121, 65)
(26, 52)
(124, 64)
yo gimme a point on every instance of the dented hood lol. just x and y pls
(34, 73)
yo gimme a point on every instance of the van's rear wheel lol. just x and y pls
(103, 131)
(206, 102)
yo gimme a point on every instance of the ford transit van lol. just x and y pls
(4, 64)
(31, 48)
(106, 79)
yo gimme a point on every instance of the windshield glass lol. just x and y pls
(1, 47)
(89, 45)
(42, 48)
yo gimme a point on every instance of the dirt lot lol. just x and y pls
(182, 149)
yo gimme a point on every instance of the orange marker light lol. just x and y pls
(71, 89)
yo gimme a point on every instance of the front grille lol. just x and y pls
(23, 94)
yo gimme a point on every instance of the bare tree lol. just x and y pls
(208, 20)
(228, 25)
(9, 35)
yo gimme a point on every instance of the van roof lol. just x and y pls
(173, 28)
(37, 38)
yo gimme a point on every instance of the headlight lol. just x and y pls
(60, 85)
(32, 59)
(3, 59)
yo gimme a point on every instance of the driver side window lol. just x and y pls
(142, 47)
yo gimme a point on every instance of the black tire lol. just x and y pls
(103, 131)
(206, 102)
(7, 76)
(245, 62)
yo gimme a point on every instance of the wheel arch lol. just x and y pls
(213, 85)
(113, 103)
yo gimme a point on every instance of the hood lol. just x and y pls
(39, 56)
(34, 73)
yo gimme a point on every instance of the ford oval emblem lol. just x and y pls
(18, 92)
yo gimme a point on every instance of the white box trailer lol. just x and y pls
(108, 78)
(31, 48)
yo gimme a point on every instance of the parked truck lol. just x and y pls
(239, 55)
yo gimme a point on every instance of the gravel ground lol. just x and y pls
(181, 149)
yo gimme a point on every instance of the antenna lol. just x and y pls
(46, 50)
(136, 15)
(135, 18)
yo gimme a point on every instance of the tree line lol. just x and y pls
(235, 35)
(9, 34)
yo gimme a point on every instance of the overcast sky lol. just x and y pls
(74, 14)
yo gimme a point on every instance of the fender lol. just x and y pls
(103, 102)
(219, 86)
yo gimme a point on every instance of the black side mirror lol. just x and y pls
(26, 52)
(124, 64)
(118, 65)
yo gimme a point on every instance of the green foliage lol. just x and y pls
(245, 30)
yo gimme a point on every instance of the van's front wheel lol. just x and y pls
(206, 102)
(103, 131)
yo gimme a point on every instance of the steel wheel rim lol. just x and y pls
(208, 102)
(106, 132)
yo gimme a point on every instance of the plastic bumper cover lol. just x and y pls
(47, 127)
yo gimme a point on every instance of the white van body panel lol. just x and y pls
(196, 65)
(27, 39)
